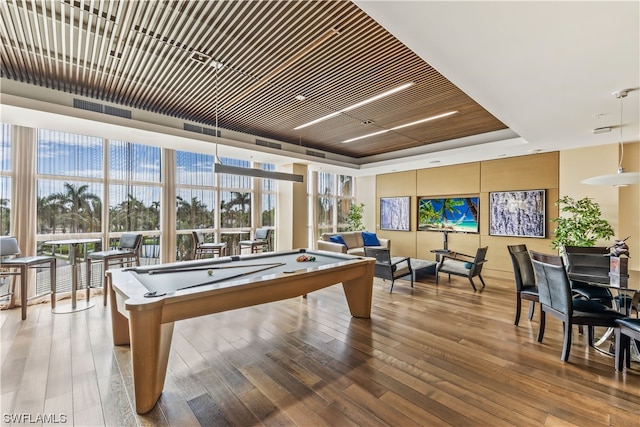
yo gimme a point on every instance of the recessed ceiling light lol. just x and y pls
(439, 116)
(356, 105)
(300, 97)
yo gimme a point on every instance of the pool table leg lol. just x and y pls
(150, 344)
(119, 322)
(359, 293)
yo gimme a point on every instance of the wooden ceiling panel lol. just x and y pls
(158, 56)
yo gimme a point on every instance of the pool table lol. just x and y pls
(146, 301)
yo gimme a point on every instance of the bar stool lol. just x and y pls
(128, 253)
(9, 248)
(200, 248)
(259, 242)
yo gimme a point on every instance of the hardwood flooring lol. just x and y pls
(432, 355)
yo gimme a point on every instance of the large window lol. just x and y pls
(5, 179)
(196, 199)
(268, 197)
(134, 190)
(333, 196)
(235, 194)
(70, 172)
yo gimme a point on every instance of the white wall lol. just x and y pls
(578, 164)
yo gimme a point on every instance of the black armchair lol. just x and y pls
(525, 279)
(387, 267)
(556, 299)
(459, 264)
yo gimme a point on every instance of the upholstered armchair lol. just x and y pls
(388, 267)
(459, 264)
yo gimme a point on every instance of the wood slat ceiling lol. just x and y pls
(158, 56)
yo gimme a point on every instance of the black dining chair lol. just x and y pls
(628, 329)
(525, 280)
(18, 267)
(556, 298)
(589, 264)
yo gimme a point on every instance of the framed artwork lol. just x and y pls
(517, 213)
(450, 214)
(395, 213)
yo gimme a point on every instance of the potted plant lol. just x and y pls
(581, 225)
(354, 217)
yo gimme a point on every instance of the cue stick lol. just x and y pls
(220, 267)
(235, 276)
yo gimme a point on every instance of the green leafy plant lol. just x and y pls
(581, 225)
(354, 217)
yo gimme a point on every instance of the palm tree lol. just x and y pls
(128, 215)
(193, 214)
(154, 216)
(47, 213)
(5, 216)
(75, 201)
(242, 200)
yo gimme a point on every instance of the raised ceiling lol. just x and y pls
(161, 56)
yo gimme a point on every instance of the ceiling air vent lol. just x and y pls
(88, 8)
(203, 58)
(315, 154)
(269, 144)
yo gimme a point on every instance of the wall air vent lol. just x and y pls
(212, 132)
(119, 112)
(87, 105)
(201, 129)
(192, 128)
(269, 144)
(315, 154)
(101, 108)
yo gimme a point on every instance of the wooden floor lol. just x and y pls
(432, 355)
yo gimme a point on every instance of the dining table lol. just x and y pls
(625, 290)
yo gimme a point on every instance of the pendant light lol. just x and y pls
(621, 178)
